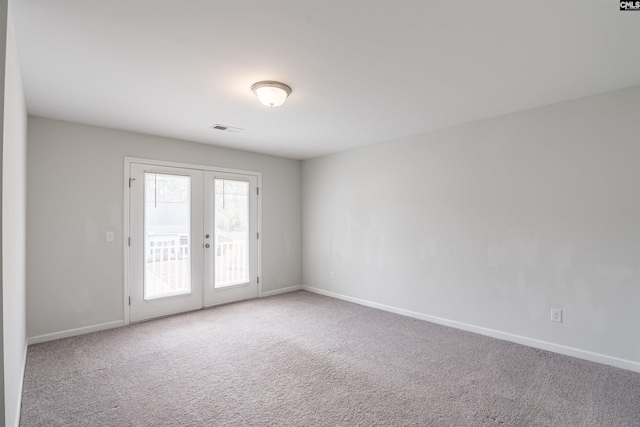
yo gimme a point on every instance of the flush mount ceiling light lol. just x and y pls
(271, 94)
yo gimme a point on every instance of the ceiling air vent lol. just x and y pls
(225, 128)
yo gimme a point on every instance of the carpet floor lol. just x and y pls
(301, 359)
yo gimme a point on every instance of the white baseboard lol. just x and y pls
(118, 323)
(280, 291)
(73, 332)
(531, 342)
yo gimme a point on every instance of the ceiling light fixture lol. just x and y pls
(270, 93)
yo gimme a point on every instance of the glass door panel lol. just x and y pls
(231, 232)
(166, 244)
(231, 214)
(167, 233)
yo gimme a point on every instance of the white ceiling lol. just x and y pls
(362, 72)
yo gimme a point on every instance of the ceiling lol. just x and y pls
(362, 72)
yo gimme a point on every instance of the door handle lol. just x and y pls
(207, 246)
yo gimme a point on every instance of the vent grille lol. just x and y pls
(225, 128)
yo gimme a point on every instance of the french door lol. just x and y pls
(194, 239)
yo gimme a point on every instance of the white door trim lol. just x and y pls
(127, 207)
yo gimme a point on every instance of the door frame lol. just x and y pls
(127, 210)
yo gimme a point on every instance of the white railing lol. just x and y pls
(167, 265)
(232, 266)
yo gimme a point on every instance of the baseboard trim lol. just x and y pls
(118, 323)
(73, 332)
(518, 339)
(280, 291)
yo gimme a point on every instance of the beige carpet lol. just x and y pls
(301, 359)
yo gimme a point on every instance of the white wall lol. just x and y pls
(14, 187)
(75, 195)
(3, 50)
(493, 223)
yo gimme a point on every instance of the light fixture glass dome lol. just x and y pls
(270, 93)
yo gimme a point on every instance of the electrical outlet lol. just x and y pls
(556, 315)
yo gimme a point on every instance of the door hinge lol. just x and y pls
(129, 241)
(129, 300)
(258, 191)
(130, 179)
(258, 279)
(258, 235)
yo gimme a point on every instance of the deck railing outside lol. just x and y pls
(231, 263)
(168, 264)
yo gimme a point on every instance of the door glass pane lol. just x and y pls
(231, 232)
(167, 235)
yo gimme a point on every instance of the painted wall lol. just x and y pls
(3, 55)
(75, 195)
(14, 186)
(492, 223)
